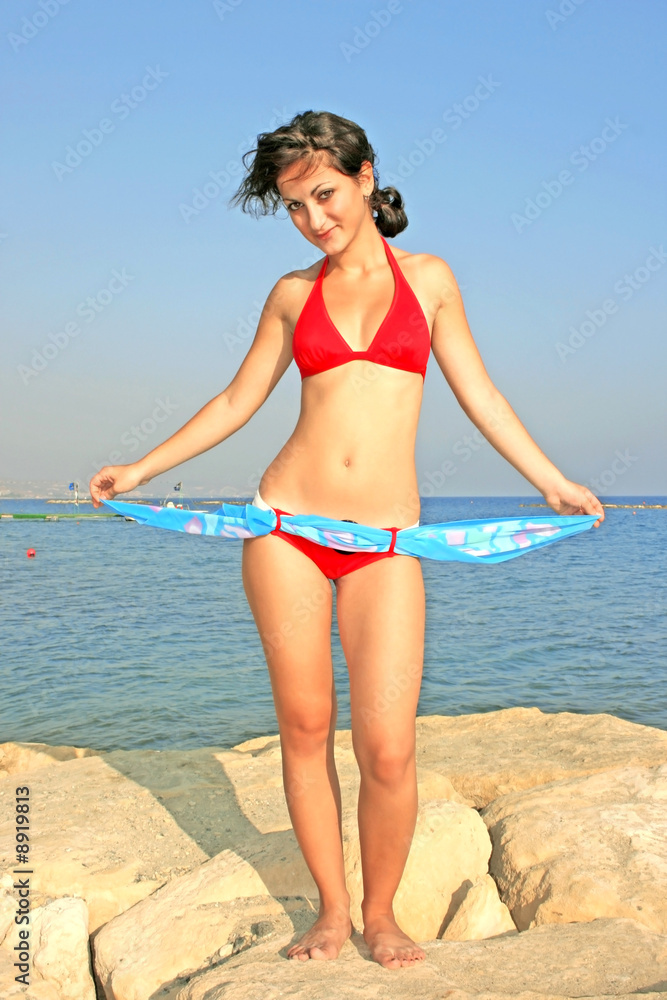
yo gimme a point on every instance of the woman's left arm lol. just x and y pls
(461, 364)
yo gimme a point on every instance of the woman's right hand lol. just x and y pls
(114, 479)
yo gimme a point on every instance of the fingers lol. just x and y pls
(592, 505)
(100, 486)
(94, 491)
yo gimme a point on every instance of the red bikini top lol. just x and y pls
(402, 339)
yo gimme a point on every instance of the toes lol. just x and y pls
(387, 958)
(318, 952)
(390, 963)
(297, 952)
(398, 957)
(322, 952)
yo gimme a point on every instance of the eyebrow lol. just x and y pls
(312, 192)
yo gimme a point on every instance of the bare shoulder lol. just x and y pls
(430, 276)
(289, 294)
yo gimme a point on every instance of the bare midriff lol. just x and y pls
(352, 452)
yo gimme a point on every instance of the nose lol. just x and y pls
(317, 219)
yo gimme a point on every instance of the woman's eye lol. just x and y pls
(292, 204)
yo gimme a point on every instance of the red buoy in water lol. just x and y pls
(31, 553)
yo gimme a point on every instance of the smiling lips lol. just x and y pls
(321, 236)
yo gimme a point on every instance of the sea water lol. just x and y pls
(116, 635)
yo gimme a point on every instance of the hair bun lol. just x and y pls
(388, 204)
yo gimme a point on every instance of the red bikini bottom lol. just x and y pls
(332, 562)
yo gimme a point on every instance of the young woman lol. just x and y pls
(360, 324)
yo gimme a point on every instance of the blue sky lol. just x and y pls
(527, 140)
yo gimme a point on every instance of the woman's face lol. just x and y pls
(326, 206)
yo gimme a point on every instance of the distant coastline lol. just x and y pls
(57, 495)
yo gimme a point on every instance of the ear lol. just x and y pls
(366, 179)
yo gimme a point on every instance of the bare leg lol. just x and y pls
(291, 602)
(381, 619)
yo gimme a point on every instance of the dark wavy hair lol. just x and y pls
(309, 133)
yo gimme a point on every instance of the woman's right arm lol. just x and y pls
(264, 365)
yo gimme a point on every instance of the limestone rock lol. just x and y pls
(257, 767)
(493, 753)
(61, 955)
(7, 909)
(600, 959)
(192, 922)
(98, 835)
(584, 848)
(114, 828)
(256, 776)
(11, 990)
(450, 849)
(23, 757)
(480, 915)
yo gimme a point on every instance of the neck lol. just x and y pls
(363, 254)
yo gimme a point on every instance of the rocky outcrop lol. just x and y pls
(184, 869)
(480, 915)
(98, 835)
(59, 958)
(17, 757)
(602, 958)
(61, 950)
(493, 753)
(585, 848)
(450, 849)
(191, 923)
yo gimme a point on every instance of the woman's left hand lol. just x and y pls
(572, 498)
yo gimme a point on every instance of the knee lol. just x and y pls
(387, 763)
(306, 733)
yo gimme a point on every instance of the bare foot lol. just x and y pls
(389, 945)
(325, 938)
